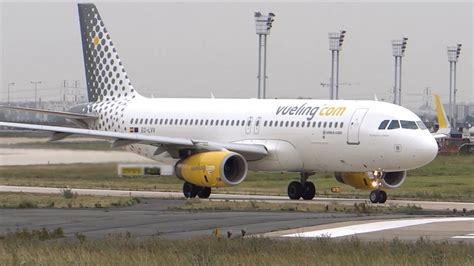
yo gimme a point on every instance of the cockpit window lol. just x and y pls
(384, 124)
(394, 124)
(408, 124)
(421, 125)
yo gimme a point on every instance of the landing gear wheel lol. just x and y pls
(295, 190)
(309, 190)
(190, 190)
(382, 196)
(374, 196)
(204, 193)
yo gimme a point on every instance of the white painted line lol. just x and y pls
(463, 237)
(375, 226)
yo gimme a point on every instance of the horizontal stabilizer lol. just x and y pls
(49, 112)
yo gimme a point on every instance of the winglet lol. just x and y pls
(444, 126)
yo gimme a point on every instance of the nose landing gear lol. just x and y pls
(302, 189)
(377, 195)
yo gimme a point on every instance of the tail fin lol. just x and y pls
(444, 126)
(105, 74)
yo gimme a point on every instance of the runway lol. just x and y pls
(156, 217)
(426, 205)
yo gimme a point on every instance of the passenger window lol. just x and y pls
(408, 124)
(319, 124)
(325, 124)
(237, 123)
(421, 125)
(190, 122)
(270, 123)
(330, 124)
(314, 123)
(281, 123)
(156, 121)
(384, 124)
(265, 123)
(232, 122)
(335, 125)
(257, 123)
(394, 124)
(297, 124)
(342, 124)
(131, 121)
(292, 123)
(286, 124)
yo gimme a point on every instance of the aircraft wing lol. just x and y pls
(170, 144)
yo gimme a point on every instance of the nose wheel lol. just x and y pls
(302, 189)
(378, 196)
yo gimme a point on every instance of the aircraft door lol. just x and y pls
(248, 125)
(257, 125)
(354, 126)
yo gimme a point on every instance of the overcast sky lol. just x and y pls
(193, 49)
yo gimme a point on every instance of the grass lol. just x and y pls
(124, 249)
(227, 205)
(31, 200)
(446, 178)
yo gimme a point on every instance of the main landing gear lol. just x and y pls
(302, 189)
(377, 195)
(191, 191)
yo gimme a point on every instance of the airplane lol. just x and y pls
(215, 142)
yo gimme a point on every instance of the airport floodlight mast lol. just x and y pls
(335, 46)
(36, 91)
(263, 24)
(8, 91)
(398, 48)
(453, 56)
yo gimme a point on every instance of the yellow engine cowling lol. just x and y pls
(366, 180)
(213, 169)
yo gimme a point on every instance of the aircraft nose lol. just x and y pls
(428, 148)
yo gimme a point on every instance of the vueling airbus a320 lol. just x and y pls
(214, 142)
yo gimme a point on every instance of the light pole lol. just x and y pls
(335, 45)
(263, 24)
(8, 92)
(36, 90)
(453, 56)
(398, 49)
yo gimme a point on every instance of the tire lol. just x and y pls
(374, 196)
(382, 196)
(295, 190)
(204, 193)
(309, 191)
(190, 190)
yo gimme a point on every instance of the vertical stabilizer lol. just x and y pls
(444, 126)
(105, 75)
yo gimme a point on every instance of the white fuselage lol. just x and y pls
(300, 135)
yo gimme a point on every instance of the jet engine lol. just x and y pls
(213, 169)
(364, 180)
